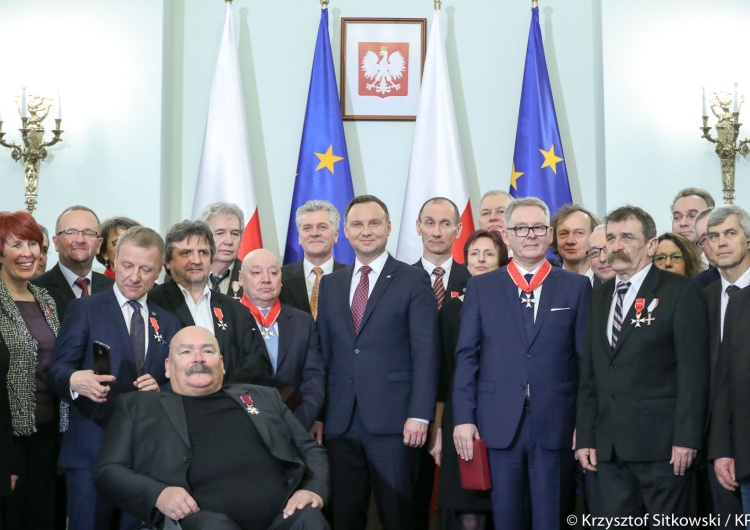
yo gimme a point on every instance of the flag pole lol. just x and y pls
(323, 4)
(437, 5)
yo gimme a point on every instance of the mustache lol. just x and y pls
(618, 255)
(199, 369)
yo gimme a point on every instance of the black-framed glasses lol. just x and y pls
(72, 232)
(701, 242)
(595, 252)
(662, 258)
(523, 231)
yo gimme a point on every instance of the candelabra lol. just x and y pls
(727, 130)
(33, 149)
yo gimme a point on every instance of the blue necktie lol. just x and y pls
(527, 308)
(272, 341)
(137, 336)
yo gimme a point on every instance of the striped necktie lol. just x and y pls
(438, 286)
(622, 288)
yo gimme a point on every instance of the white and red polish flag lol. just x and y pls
(437, 166)
(225, 173)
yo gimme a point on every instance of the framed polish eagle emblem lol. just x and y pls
(381, 67)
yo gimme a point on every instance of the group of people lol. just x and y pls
(242, 394)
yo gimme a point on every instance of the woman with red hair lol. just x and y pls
(28, 409)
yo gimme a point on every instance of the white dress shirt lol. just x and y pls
(377, 268)
(635, 284)
(310, 275)
(429, 267)
(71, 278)
(742, 282)
(200, 310)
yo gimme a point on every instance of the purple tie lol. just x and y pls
(359, 300)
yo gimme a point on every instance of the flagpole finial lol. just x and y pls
(534, 3)
(227, 1)
(323, 4)
(437, 5)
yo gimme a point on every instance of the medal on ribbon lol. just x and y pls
(155, 326)
(526, 287)
(249, 407)
(235, 289)
(220, 317)
(651, 307)
(640, 303)
(266, 321)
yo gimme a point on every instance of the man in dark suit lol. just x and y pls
(227, 223)
(596, 251)
(685, 207)
(137, 333)
(571, 227)
(528, 320)
(77, 242)
(492, 210)
(644, 378)
(211, 458)
(189, 250)
(727, 245)
(439, 225)
(317, 224)
(378, 331)
(288, 337)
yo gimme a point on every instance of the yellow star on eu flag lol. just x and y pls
(514, 176)
(327, 159)
(550, 159)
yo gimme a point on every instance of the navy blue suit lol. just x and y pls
(495, 360)
(376, 381)
(99, 318)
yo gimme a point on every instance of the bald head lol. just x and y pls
(194, 366)
(260, 277)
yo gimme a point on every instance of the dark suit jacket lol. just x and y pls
(651, 392)
(495, 359)
(6, 424)
(235, 277)
(99, 318)
(293, 286)
(300, 363)
(730, 420)
(456, 280)
(390, 369)
(147, 448)
(61, 292)
(244, 360)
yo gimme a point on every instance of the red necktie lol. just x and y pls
(83, 284)
(438, 286)
(359, 300)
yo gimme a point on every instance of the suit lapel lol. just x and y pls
(114, 311)
(713, 303)
(298, 289)
(172, 404)
(384, 280)
(650, 282)
(221, 331)
(64, 290)
(510, 290)
(179, 306)
(99, 283)
(545, 301)
(286, 332)
(235, 277)
(345, 283)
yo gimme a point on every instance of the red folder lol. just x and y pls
(475, 473)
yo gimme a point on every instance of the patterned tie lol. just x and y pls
(216, 279)
(137, 336)
(731, 289)
(359, 300)
(272, 342)
(83, 285)
(438, 286)
(622, 288)
(315, 291)
(527, 303)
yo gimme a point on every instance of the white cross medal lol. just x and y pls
(249, 407)
(529, 301)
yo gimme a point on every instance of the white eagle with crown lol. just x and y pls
(383, 70)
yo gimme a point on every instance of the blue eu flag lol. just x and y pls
(323, 165)
(539, 168)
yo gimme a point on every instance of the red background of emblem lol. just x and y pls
(393, 47)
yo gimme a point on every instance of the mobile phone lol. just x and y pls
(101, 359)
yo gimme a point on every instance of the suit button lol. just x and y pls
(613, 397)
(521, 387)
(351, 380)
(612, 367)
(528, 356)
(356, 351)
(186, 459)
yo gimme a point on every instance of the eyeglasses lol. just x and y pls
(701, 242)
(595, 252)
(72, 232)
(523, 231)
(662, 258)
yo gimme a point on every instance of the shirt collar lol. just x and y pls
(71, 276)
(122, 299)
(308, 267)
(636, 280)
(206, 292)
(429, 267)
(377, 264)
(742, 282)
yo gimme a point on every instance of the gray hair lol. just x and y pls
(492, 193)
(318, 205)
(216, 209)
(623, 213)
(698, 192)
(722, 213)
(143, 237)
(525, 201)
(186, 229)
(702, 214)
